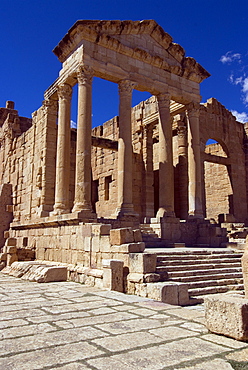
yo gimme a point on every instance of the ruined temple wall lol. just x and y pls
(27, 162)
(217, 123)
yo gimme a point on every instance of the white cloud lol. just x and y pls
(73, 124)
(230, 57)
(241, 117)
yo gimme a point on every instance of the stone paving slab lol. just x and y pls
(71, 326)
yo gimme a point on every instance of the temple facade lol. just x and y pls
(66, 193)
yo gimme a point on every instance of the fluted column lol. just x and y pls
(125, 150)
(194, 162)
(63, 151)
(166, 171)
(82, 200)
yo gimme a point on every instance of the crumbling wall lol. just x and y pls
(217, 123)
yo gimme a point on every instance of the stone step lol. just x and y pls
(175, 274)
(177, 258)
(212, 290)
(210, 266)
(213, 283)
(173, 262)
(204, 252)
(215, 276)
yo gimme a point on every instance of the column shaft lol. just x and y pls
(125, 150)
(82, 200)
(194, 162)
(148, 179)
(166, 171)
(63, 151)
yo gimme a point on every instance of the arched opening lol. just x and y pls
(218, 190)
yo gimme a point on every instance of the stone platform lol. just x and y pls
(66, 325)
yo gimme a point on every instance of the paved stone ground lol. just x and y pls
(70, 326)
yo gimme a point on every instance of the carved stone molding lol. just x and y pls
(181, 131)
(84, 75)
(164, 99)
(65, 92)
(126, 87)
(193, 110)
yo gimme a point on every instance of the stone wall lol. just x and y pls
(217, 123)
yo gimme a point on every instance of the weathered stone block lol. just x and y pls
(11, 242)
(105, 244)
(169, 292)
(137, 235)
(227, 314)
(101, 229)
(121, 236)
(6, 234)
(128, 248)
(11, 249)
(142, 262)
(11, 258)
(113, 275)
(244, 261)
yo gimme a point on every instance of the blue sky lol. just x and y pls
(214, 32)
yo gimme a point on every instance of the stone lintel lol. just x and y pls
(101, 142)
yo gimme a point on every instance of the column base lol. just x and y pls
(163, 213)
(126, 211)
(59, 211)
(195, 214)
(85, 215)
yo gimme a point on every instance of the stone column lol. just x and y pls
(125, 151)
(82, 202)
(148, 179)
(194, 162)
(182, 170)
(166, 171)
(63, 151)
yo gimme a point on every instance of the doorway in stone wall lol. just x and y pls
(218, 192)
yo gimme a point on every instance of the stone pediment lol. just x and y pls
(142, 40)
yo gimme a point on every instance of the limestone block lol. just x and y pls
(105, 244)
(95, 246)
(128, 248)
(169, 292)
(113, 275)
(6, 234)
(87, 243)
(137, 235)
(227, 314)
(121, 236)
(244, 261)
(86, 230)
(135, 278)
(11, 242)
(101, 229)
(142, 262)
(151, 278)
(3, 257)
(11, 249)
(11, 258)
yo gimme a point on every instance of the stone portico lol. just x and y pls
(69, 207)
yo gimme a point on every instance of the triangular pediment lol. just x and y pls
(142, 40)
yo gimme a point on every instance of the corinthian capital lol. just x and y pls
(164, 99)
(84, 75)
(65, 92)
(126, 87)
(193, 109)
